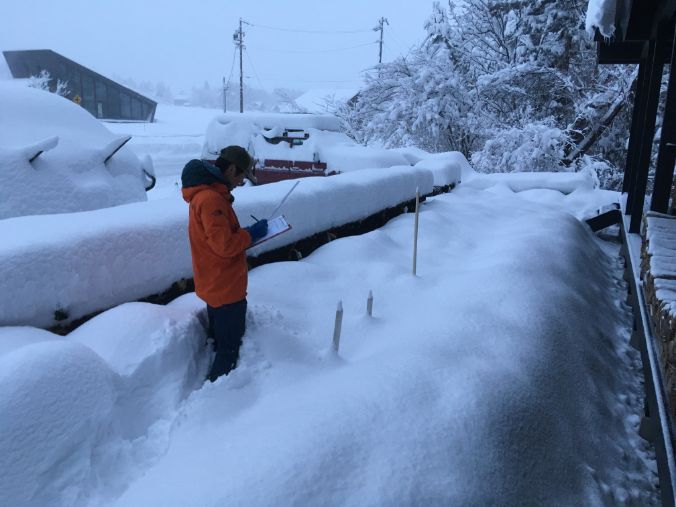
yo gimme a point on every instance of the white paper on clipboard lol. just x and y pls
(276, 226)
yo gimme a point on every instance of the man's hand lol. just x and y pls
(257, 230)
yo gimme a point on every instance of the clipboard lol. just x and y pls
(276, 226)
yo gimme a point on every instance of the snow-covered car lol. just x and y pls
(57, 158)
(287, 146)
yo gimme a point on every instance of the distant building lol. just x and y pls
(102, 97)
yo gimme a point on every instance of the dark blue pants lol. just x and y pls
(227, 324)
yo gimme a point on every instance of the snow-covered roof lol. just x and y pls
(71, 173)
(323, 100)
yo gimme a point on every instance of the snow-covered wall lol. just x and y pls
(71, 174)
(83, 262)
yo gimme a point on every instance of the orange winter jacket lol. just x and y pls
(217, 243)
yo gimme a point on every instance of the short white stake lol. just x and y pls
(369, 304)
(415, 230)
(338, 324)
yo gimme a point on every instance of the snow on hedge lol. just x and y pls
(77, 413)
(518, 182)
(83, 262)
(71, 173)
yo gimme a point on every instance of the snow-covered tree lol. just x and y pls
(44, 81)
(498, 75)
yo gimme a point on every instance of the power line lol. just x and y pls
(312, 50)
(232, 66)
(280, 29)
(254, 68)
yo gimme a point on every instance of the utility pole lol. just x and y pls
(381, 28)
(238, 38)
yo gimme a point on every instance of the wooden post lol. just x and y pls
(415, 230)
(369, 304)
(337, 326)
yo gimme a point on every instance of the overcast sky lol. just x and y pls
(185, 43)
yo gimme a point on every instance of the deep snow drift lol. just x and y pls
(501, 374)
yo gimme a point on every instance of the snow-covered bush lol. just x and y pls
(43, 82)
(609, 176)
(492, 73)
(535, 147)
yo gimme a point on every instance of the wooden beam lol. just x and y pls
(635, 133)
(628, 51)
(604, 220)
(636, 194)
(666, 156)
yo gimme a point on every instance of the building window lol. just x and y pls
(88, 94)
(136, 112)
(75, 82)
(113, 103)
(125, 106)
(101, 99)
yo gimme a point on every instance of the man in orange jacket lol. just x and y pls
(218, 245)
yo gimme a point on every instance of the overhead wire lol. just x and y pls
(281, 29)
(330, 50)
(232, 66)
(252, 66)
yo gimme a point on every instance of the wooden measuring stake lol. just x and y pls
(337, 326)
(415, 230)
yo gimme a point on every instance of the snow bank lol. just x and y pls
(158, 354)
(518, 182)
(77, 414)
(83, 262)
(71, 174)
(56, 398)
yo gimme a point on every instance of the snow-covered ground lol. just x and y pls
(500, 375)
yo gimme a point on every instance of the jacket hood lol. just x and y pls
(198, 172)
(190, 192)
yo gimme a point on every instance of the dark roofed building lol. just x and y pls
(102, 97)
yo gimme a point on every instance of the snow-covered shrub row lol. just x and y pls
(565, 183)
(83, 262)
(77, 412)
(71, 174)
